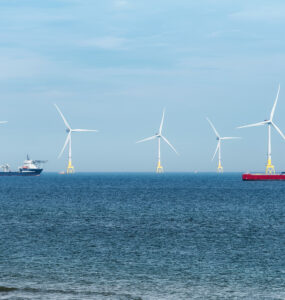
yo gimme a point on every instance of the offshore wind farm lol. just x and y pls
(270, 174)
(180, 194)
(270, 170)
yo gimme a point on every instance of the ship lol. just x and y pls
(29, 168)
(262, 176)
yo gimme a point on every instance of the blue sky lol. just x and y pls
(113, 65)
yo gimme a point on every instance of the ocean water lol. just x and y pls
(141, 236)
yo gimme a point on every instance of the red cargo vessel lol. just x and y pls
(260, 176)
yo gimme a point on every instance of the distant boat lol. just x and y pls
(29, 168)
(262, 176)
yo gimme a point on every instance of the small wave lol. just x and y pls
(5, 289)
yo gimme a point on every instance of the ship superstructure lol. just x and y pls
(29, 168)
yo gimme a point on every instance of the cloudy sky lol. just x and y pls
(113, 65)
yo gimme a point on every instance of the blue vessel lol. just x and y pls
(29, 168)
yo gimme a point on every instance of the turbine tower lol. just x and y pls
(269, 167)
(70, 167)
(218, 149)
(159, 168)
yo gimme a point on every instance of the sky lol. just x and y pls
(113, 65)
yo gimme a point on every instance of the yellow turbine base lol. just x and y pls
(269, 168)
(70, 168)
(159, 168)
(220, 168)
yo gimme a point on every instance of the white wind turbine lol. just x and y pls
(70, 167)
(218, 149)
(159, 168)
(269, 167)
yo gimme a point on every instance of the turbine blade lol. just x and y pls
(216, 132)
(147, 139)
(218, 146)
(230, 138)
(62, 116)
(84, 130)
(169, 144)
(275, 103)
(161, 123)
(3, 122)
(278, 130)
(65, 144)
(253, 125)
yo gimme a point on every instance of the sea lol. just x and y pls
(125, 236)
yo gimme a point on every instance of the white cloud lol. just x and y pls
(223, 33)
(108, 43)
(120, 3)
(17, 64)
(266, 13)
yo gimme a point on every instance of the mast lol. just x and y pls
(220, 168)
(70, 168)
(269, 167)
(159, 168)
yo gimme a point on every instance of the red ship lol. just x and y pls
(260, 176)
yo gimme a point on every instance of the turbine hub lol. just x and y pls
(67, 130)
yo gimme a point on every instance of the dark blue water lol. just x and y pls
(141, 236)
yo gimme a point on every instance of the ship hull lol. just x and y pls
(35, 172)
(262, 177)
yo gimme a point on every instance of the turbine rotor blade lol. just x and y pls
(217, 148)
(161, 123)
(65, 144)
(3, 122)
(274, 106)
(84, 130)
(147, 139)
(255, 124)
(169, 144)
(278, 130)
(230, 138)
(215, 130)
(62, 116)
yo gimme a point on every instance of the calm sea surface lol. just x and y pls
(141, 236)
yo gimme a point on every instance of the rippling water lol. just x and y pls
(141, 236)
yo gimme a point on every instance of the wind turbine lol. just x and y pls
(219, 139)
(159, 168)
(269, 167)
(70, 167)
